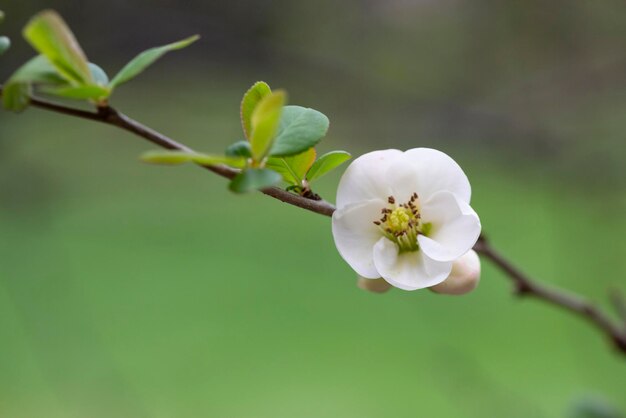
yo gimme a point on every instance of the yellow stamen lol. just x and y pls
(402, 223)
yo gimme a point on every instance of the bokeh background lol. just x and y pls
(129, 290)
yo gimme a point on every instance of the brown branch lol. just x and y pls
(110, 116)
(524, 285)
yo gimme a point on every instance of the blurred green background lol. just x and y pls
(129, 290)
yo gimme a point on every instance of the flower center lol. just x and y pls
(402, 223)
(399, 219)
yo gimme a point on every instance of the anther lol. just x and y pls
(400, 222)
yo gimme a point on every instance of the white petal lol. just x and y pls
(408, 270)
(365, 178)
(464, 277)
(404, 179)
(436, 171)
(355, 235)
(455, 227)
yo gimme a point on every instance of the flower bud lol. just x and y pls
(373, 285)
(464, 276)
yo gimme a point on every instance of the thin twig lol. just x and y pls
(111, 116)
(524, 285)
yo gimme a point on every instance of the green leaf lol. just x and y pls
(142, 61)
(300, 129)
(86, 92)
(294, 168)
(181, 157)
(17, 90)
(16, 96)
(327, 163)
(250, 100)
(48, 34)
(1, 16)
(167, 157)
(5, 44)
(239, 149)
(37, 70)
(265, 121)
(99, 75)
(254, 179)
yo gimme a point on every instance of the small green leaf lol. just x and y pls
(327, 163)
(37, 70)
(181, 157)
(254, 179)
(300, 129)
(166, 157)
(142, 61)
(48, 34)
(211, 159)
(1, 16)
(17, 90)
(294, 168)
(250, 100)
(16, 96)
(5, 44)
(86, 92)
(99, 75)
(264, 121)
(239, 149)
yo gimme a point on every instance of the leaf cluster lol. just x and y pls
(62, 69)
(279, 145)
(279, 142)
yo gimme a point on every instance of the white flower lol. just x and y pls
(404, 216)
